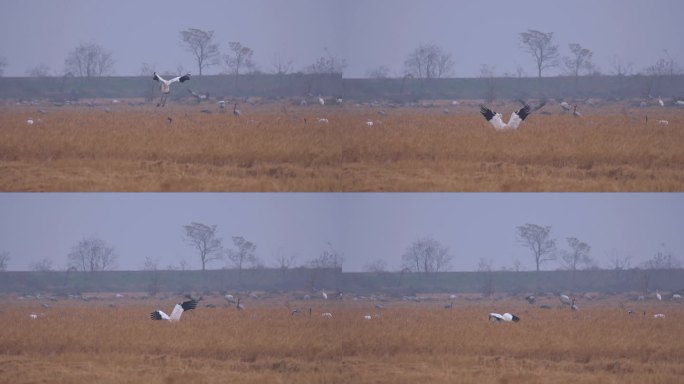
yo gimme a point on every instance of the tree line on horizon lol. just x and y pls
(423, 255)
(427, 61)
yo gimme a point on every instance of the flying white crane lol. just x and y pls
(165, 86)
(176, 313)
(494, 118)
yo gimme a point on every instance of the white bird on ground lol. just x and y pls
(680, 102)
(239, 306)
(676, 296)
(367, 317)
(320, 100)
(229, 298)
(507, 317)
(494, 118)
(565, 106)
(663, 122)
(236, 112)
(325, 295)
(165, 86)
(369, 123)
(199, 96)
(323, 120)
(222, 105)
(176, 313)
(326, 314)
(531, 299)
(660, 101)
(565, 299)
(658, 296)
(659, 316)
(29, 121)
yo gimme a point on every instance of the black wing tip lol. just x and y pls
(155, 77)
(190, 304)
(155, 315)
(523, 112)
(184, 77)
(486, 112)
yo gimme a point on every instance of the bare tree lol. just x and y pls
(620, 68)
(665, 66)
(429, 61)
(538, 240)
(327, 64)
(92, 254)
(43, 265)
(40, 70)
(579, 253)
(4, 260)
(203, 238)
(426, 255)
(380, 72)
(579, 60)
(285, 262)
(280, 65)
(540, 46)
(377, 266)
(662, 260)
(243, 254)
(328, 259)
(239, 57)
(3, 65)
(201, 44)
(89, 60)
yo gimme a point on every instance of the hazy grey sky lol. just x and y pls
(366, 33)
(363, 226)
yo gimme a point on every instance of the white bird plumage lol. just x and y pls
(565, 299)
(659, 296)
(176, 313)
(507, 317)
(165, 86)
(495, 120)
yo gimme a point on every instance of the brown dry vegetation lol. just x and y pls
(79, 342)
(269, 149)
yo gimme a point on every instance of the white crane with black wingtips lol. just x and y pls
(165, 86)
(176, 313)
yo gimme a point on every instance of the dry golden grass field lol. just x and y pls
(272, 148)
(91, 342)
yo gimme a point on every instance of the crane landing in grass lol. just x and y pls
(165, 86)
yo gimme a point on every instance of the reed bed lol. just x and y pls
(273, 148)
(81, 342)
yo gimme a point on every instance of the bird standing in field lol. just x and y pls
(236, 112)
(165, 86)
(494, 118)
(176, 313)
